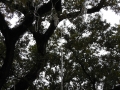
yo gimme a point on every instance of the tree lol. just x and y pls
(30, 16)
(84, 66)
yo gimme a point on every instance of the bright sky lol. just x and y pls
(111, 17)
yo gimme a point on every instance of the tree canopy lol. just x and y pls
(89, 48)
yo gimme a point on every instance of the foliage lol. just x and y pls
(89, 62)
(90, 46)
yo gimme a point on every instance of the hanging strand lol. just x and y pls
(61, 69)
(83, 14)
(61, 65)
(36, 17)
(37, 20)
(62, 58)
(54, 15)
(84, 9)
(14, 85)
(14, 82)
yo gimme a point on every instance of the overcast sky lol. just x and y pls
(110, 16)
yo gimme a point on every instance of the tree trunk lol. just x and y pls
(5, 70)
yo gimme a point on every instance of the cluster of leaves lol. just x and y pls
(91, 57)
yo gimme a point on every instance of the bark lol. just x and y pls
(92, 79)
(42, 39)
(94, 9)
(27, 81)
(12, 35)
(4, 71)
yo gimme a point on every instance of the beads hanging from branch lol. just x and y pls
(36, 16)
(83, 9)
(54, 15)
(61, 48)
(61, 68)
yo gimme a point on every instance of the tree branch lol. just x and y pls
(11, 36)
(89, 77)
(42, 10)
(89, 11)
(97, 8)
(25, 82)
(42, 39)
(4, 71)
(29, 18)
(23, 27)
(50, 31)
(3, 25)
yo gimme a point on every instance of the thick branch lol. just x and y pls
(42, 39)
(47, 7)
(23, 27)
(97, 8)
(89, 77)
(26, 81)
(3, 25)
(4, 71)
(11, 36)
(29, 18)
(89, 11)
(50, 31)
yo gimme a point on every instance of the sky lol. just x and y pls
(110, 16)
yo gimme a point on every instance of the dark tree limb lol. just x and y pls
(97, 8)
(26, 81)
(42, 39)
(56, 3)
(89, 11)
(3, 25)
(92, 80)
(23, 27)
(5, 70)
(11, 37)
